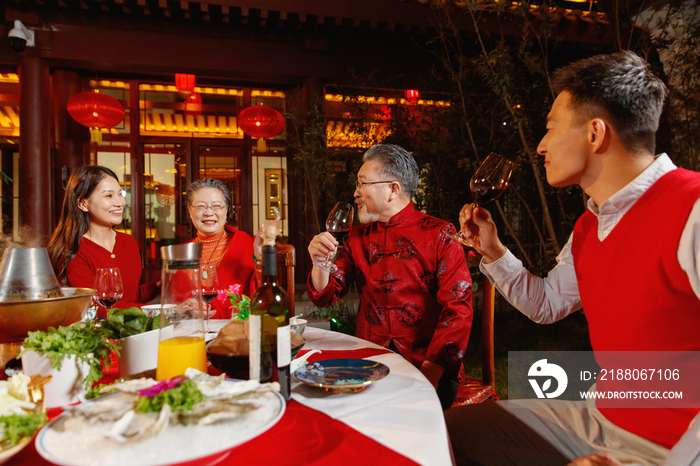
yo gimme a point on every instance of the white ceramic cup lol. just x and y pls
(298, 325)
(152, 310)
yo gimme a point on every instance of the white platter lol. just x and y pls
(177, 444)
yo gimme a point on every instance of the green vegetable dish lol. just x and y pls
(20, 417)
(15, 427)
(122, 323)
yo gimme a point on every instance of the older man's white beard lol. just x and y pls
(366, 217)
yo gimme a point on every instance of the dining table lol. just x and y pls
(396, 420)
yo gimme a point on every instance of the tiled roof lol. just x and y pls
(400, 16)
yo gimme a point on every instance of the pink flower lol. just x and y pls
(222, 295)
(240, 304)
(163, 386)
(235, 288)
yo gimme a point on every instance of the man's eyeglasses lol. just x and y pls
(202, 207)
(359, 184)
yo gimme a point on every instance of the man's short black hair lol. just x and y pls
(619, 88)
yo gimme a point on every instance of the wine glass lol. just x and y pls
(338, 224)
(211, 284)
(491, 179)
(487, 184)
(108, 289)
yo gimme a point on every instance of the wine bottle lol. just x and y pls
(269, 302)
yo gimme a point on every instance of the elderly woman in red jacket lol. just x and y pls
(237, 256)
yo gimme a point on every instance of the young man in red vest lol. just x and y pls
(632, 263)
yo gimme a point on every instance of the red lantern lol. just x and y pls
(95, 110)
(193, 105)
(412, 95)
(261, 121)
(184, 84)
(385, 112)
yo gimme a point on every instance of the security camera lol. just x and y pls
(20, 37)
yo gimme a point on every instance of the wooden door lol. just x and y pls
(225, 160)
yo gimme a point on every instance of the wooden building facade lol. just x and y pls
(242, 54)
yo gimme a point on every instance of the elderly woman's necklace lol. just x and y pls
(205, 275)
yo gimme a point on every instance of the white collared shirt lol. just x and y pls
(547, 300)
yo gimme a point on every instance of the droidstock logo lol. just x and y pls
(546, 371)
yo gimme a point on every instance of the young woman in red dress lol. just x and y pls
(85, 239)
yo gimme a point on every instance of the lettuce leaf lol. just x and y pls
(122, 323)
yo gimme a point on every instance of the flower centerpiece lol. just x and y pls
(239, 301)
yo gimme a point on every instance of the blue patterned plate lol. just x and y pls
(341, 375)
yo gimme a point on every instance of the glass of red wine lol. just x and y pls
(211, 285)
(487, 184)
(491, 179)
(338, 224)
(108, 289)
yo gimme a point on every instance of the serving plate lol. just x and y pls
(341, 375)
(176, 445)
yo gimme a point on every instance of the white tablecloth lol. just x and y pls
(401, 411)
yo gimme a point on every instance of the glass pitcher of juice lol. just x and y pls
(182, 288)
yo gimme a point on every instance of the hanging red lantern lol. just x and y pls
(193, 105)
(184, 84)
(385, 112)
(261, 121)
(412, 95)
(95, 110)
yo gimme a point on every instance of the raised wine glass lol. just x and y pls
(491, 179)
(487, 184)
(108, 289)
(338, 224)
(211, 285)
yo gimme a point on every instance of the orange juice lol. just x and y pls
(177, 354)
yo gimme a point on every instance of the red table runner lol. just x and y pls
(303, 436)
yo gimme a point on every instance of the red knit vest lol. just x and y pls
(635, 295)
